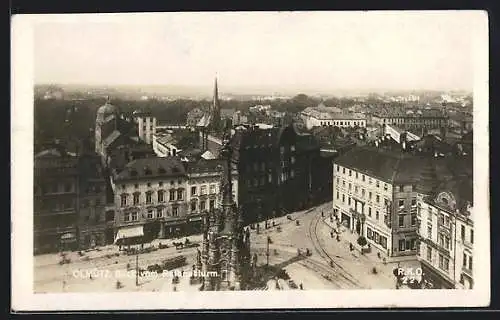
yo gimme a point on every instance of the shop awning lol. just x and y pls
(129, 232)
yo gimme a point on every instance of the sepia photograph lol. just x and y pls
(239, 160)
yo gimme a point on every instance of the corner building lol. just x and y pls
(375, 195)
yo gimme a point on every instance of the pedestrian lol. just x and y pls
(331, 234)
(301, 286)
(322, 214)
(182, 273)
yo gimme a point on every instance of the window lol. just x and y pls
(136, 186)
(193, 191)
(126, 217)
(150, 214)
(401, 188)
(135, 216)
(429, 254)
(212, 188)
(464, 261)
(369, 211)
(363, 192)
(175, 212)
(413, 244)
(148, 197)
(444, 263)
(292, 148)
(385, 187)
(212, 204)
(160, 184)
(370, 195)
(292, 160)
(338, 168)
(470, 263)
(203, 190)
(363, 178)
(123, 187)
(356, 175)
(370, 180)
(180, 194)
(369, 233)
(472, 236)
(401, 221)
(383, 242)
(172, 195)
(429, 231)
(202, 205)
(441, 240)
(123, 200)
(349, 201)
(337, 194)
(350, 173)
(401, 245)
(292, 173)
(377, 215)
(462, 232)
(356, 189)
(269, 178)
(447, 242)
(193, 206)
(378, 184)
(282, 150)
(350, 186)
(149, 184)
(343, 170)
(343, 183)
(378, 198)
(67, 187)
(413, 219)
(441, 218)
(136, 198)
(376, 237)
(401, 203)
(343, 198)
(161, 195)
(338, 181)
(159, 213)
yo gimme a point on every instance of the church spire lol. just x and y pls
(216, 107)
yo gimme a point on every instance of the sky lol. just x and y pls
(314, 50)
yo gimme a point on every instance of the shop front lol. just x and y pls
(346, 220)
(433, 280)
(194, 224)
(130, 235)
(68, 242)
(174, 228)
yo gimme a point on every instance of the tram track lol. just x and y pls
(338, 272)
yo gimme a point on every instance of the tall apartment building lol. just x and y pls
(164, 197)
(96, 216)
(375, 195)
(55, 201)
(446, 235)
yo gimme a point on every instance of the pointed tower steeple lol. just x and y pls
(215, 114)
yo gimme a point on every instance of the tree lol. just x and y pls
(362, 241)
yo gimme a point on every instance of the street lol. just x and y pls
(330, 265)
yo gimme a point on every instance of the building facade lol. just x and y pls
(410, 119)
(446, 236)
(96, 216)
(273, 164)
(56, 183)
(164, 197)
(375, 195)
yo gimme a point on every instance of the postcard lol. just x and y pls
(250, 160)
